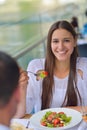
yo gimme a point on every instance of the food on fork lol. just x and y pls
(41, 74)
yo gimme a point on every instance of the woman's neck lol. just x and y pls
(62, 69)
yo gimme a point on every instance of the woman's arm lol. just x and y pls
(82, 109)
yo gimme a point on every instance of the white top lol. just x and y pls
(34, 89)
(3, 127)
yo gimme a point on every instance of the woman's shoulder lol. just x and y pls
(82, 62)
(36, 63)
(82, 59)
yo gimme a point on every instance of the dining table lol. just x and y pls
(27, 116)
(80, 126)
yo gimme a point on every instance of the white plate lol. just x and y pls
(76, 118)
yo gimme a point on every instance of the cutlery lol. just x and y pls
(33, 73)
(27, 124)
(40, 74)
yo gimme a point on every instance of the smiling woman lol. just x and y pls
(66, 82)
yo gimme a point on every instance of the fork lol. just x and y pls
(33, 73)
(27, 124)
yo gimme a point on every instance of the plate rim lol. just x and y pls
(52, 109)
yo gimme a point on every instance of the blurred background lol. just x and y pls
(24, 24)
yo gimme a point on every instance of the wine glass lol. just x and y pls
(84, 111)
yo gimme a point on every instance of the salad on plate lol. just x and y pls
(55, 119)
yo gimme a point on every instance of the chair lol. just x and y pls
(82, 49)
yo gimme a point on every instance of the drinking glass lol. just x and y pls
(84, 111)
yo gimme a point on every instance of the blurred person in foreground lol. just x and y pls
(66, 82)
(10, 81)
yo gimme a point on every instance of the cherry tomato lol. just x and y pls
(56, 121)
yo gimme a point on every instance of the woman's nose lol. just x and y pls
(60, 46)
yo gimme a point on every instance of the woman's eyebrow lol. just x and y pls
(67, 38)
(55, 39)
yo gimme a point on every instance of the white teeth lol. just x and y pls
(62, 52)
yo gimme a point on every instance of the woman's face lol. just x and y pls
(62, 44)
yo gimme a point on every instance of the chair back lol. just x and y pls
(82, 49)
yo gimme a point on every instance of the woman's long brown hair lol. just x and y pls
(72, 93)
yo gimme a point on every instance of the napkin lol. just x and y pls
(19, 124)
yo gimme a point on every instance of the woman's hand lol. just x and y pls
(77, 108)
(23, 81)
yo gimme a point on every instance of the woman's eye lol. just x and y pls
(66, 40)
(56, 41)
